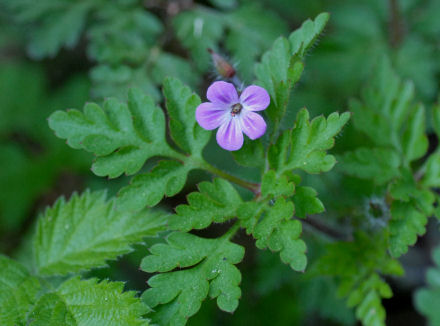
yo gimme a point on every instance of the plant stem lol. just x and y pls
(254, 187)
(396, 31)
(231, 232)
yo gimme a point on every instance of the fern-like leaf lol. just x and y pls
(208, 270)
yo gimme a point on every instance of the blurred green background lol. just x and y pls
(58, 54)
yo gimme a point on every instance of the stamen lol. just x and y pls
(236, 109)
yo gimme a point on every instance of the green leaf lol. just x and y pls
(199, 30)
(436, 119)
(379, 164)
(18, 292)
(181, 106)
(51, 310)
(414, 140)
(432, 173)
(122, 34)
(304, 147)
(357, 265)
(109, 81)
(86, 302)
(245, 32)
(306, 202)
(167, 178)
(407, 222)
(86, 231)
(367, 297)
(215, 202)
(251, 154)
(387, 111)
(122, 136)
(55, 24)
(271, 185)
(304, 37)
(277, 231)
(277, 73)
(281, 66)
(427, 300)
(209, 270)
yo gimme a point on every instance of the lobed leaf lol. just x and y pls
(215, 202)
(122, 136)
(281, 67)
(167, 178)
(86, 231)
(306, 202)
(209, 270)
(181, 105)
(379, 164)
(273, 228)
(407, 222)
(304, 147)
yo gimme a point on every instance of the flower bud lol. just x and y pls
(223, 67)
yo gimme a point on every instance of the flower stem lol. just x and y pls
(254, 187)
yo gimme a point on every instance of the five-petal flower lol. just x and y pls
(233, 114)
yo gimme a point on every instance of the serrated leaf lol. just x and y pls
(407, 222)
(123, 136)
(379, 164)
(275, 230)
(181, 105)
(215, 202)
(51, 310)
(271, 185)
(414, 140)
(306, 202)
(210, 270)
(304, 37)
(167, 178)
(304, 147)
(428, 299)
(431, 177)
(281, 66)
(18, 292)
(277, 73)
(86, 231)
(86, 302)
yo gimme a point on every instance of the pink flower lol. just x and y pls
(233, 115)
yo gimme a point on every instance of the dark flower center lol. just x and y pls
(236, 109)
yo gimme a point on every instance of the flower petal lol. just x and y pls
(210, 116)
(255, 98)
(223, 93)
(230, 136)
(253, 124)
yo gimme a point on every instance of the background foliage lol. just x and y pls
(364, 228)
